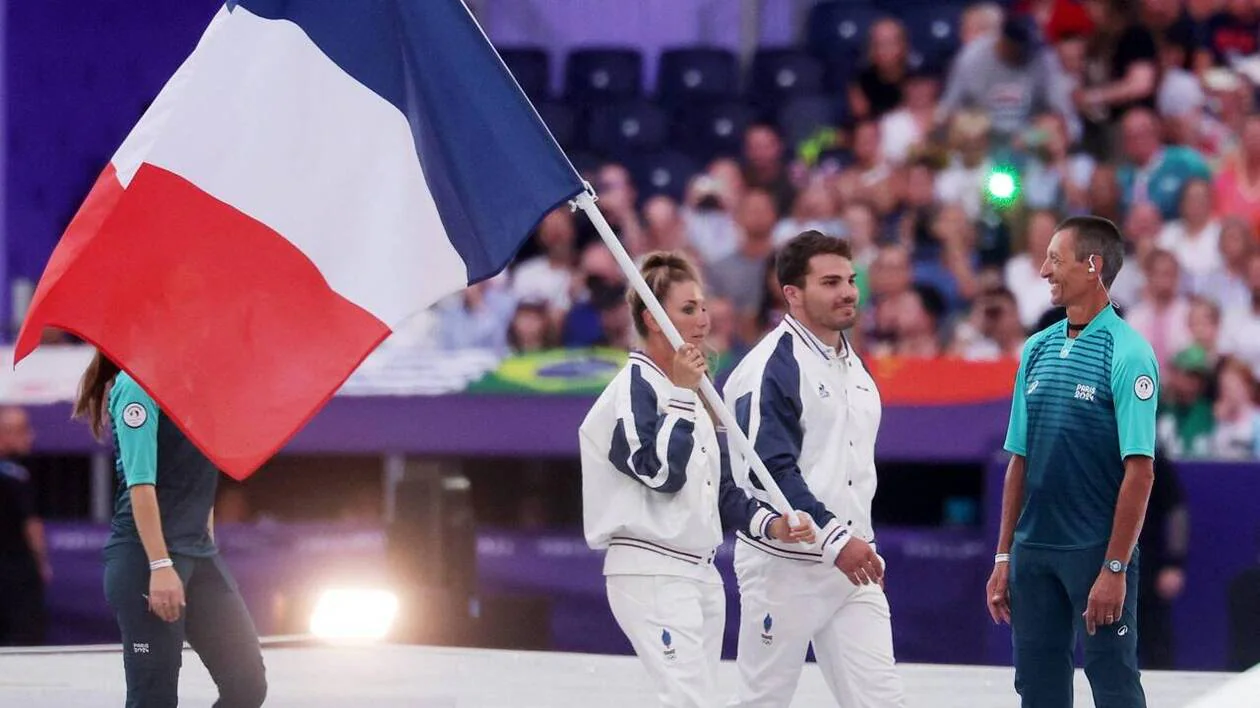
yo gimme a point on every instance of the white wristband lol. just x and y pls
(161, 563)
(1002, 558)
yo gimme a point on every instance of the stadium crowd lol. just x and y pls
(949, 180)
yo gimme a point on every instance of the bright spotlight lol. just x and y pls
(354, 614)
(1002, 186)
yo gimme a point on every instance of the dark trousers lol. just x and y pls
(214, 622)
(1049, 593)
(22, 614)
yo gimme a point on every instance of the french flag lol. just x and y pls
(315, 172)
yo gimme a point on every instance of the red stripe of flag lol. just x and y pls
(250, 339)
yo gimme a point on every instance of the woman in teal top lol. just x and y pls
(163, 575)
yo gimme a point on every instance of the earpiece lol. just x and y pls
(1092, 269)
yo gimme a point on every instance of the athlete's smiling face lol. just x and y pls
(1069, 277)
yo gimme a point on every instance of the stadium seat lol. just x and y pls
(604, 75)
(532, 68)
(711, 130)
(561, 121)
(666, 172)
(932, 28)
(778, 74)
(837, 31)
(802, 116)
(620, 130)
(700, 73)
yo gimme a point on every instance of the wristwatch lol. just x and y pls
(1114, 566)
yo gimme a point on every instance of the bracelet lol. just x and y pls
(161, 563)
(1002, 558)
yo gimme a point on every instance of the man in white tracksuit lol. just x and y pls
(812, 412)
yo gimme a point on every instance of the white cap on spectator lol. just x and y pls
(1179, 94)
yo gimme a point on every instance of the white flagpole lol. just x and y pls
(736, 437)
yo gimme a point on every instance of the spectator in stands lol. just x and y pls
(1023, 270)
(1195, 237)
(548, 277)
(531, 329)
(1162, 316)
(915, 319)
(993, 330)
(1194, 30)
(1151, 171)
(1056, 19)
(476, 318)
(1009, 77)
(963, 181)
(862, 228)
(1204, 323)
(1141, 230)
(664, 228)
(912, 225)
(1158, 15)
(891, 276)
(979, 20)
(773, 304)
(1240, 326)
(617, 201)
(723, 338)
(869, 177)
(1227, 284)
(597, 286)
(1181, 101)
(1232, 98)
(709, 211)
(814, 209)
(905, 130)
(1123, 68)
(615, 323)
(952, 273)
(24, 567)
(1237, 183)
(729, 175)
(1186, 423)
(1055, 175)
(1071, 51)
(1237, 435)
(877, 87)
(765, 168)
(732, 277)
(1105, 197)
(1231, 34)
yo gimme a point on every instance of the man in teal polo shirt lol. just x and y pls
(1153, 172)
(1082, 440)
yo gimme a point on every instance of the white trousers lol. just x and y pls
(675, 625)
(787, 604)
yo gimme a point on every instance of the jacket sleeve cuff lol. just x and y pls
(833, 539)
(682, 402)
(759, 526)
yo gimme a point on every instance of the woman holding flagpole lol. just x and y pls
(657, 491)
(163, 575)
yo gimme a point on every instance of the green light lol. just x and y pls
(1001, 186)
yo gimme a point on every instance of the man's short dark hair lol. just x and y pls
(1096, 236)
(792, 264)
